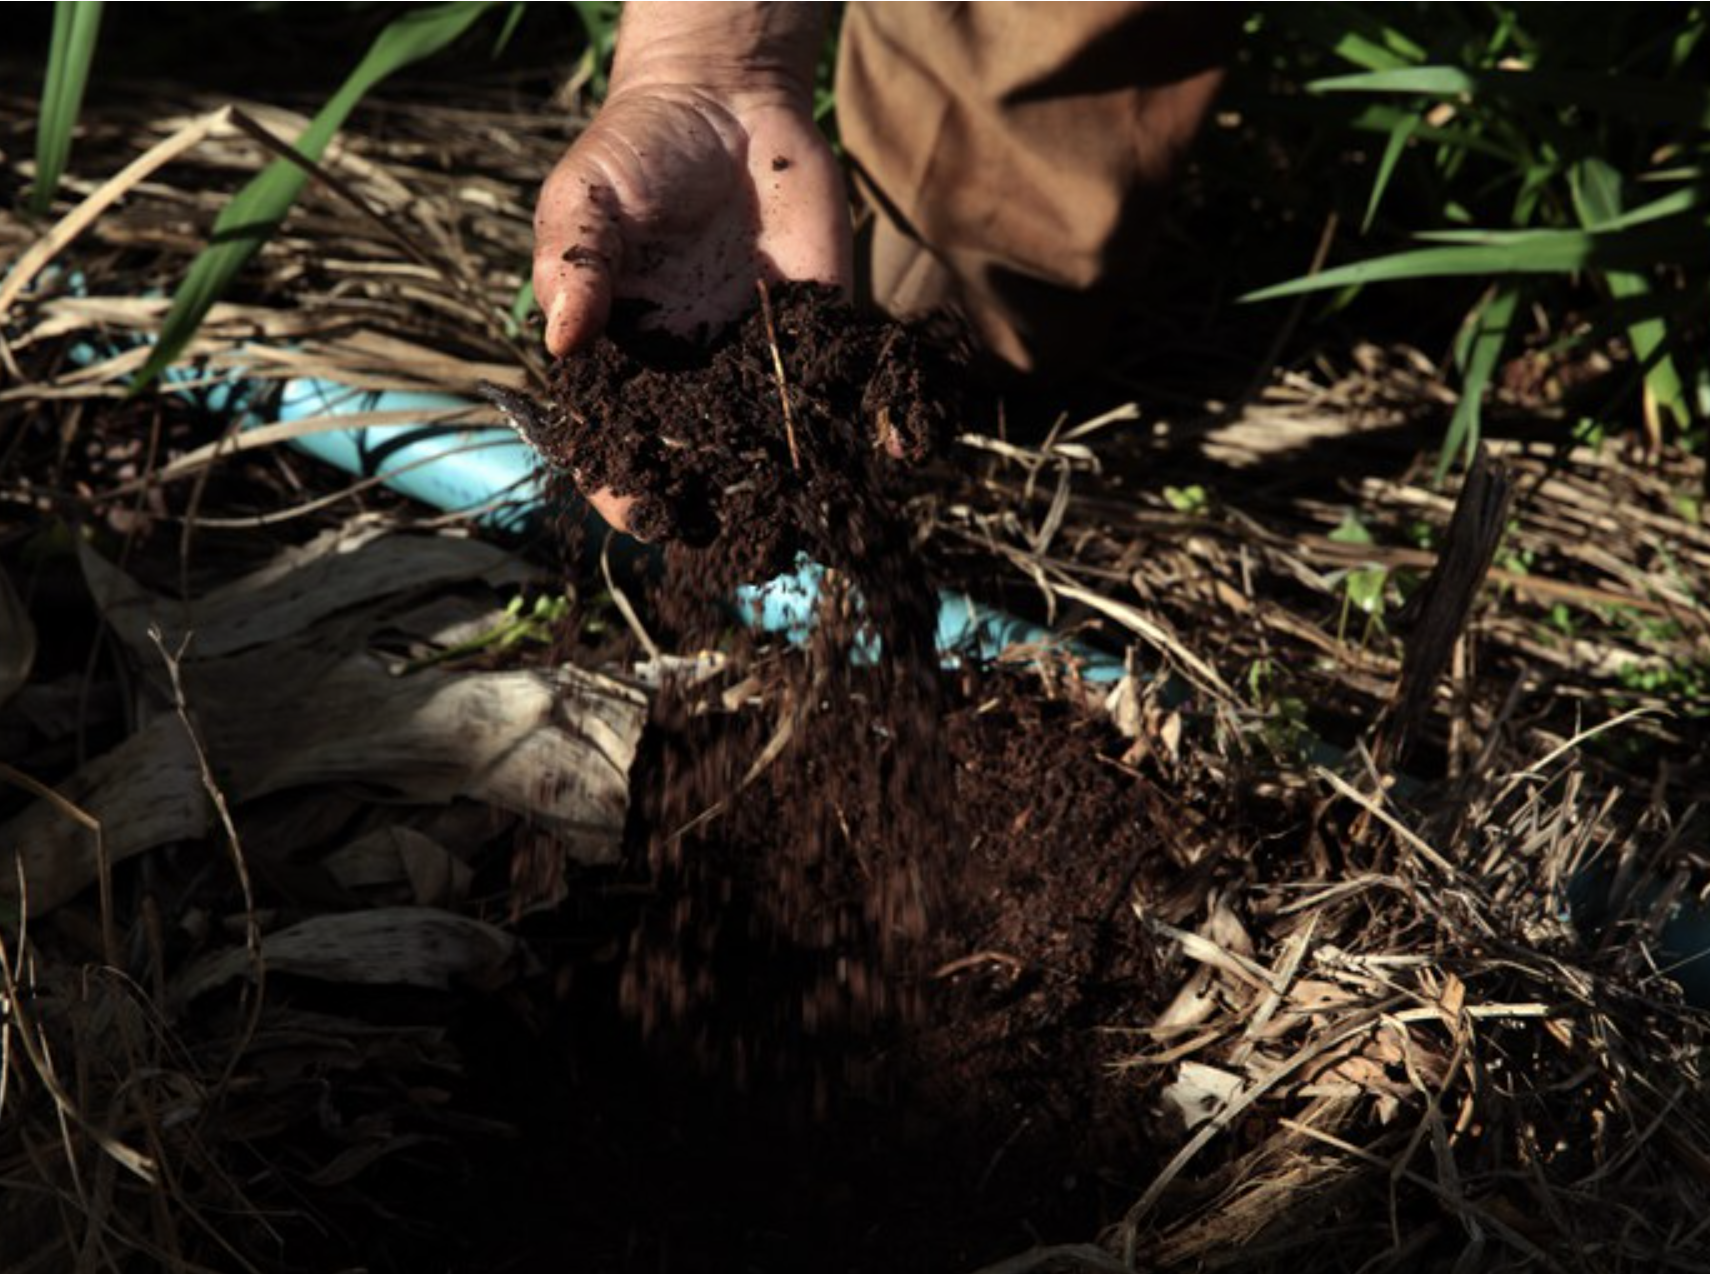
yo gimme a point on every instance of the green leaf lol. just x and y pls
(513, 20)
(1362, 586)
(1490, 252)
(75, 30)
(1686, 43)
(1596, 188)
(1398, 139)
(521, 307)
(1677, 204)
(600, 23)
(1653, 344)
(1352, 32)
(1190, 499)
(1350, 530)
(1365, 588)
(1598, 197)
(1383, 118)
(256, 211)
(1478, 349)
(1632, 98)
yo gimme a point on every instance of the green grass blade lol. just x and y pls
(1351, 32)
(1678, 204)
(1653, 343)
(1384, 119)
(1679, 237)
(1598, 198)
(1632, 98)
(1597, 192)
(522, 305)
(599, 20)
(513, 20)
(76, 28)
(1685, 44)
(256, 211)
(1399, 136)
(1478, 351)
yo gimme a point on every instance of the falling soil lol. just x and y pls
(857, 1015)
(769, 446)
(749, 1129)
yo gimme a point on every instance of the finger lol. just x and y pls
(804, 218)
(578, 245)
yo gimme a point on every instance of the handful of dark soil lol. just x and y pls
(769, 439)
(775, 439)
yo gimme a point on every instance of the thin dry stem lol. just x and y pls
(778, 372)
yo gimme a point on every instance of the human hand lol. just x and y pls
(703, 173)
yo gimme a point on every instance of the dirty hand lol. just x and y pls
(703, 172)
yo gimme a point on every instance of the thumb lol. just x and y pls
(578, 248)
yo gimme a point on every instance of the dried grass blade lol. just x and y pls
(1215, 1126)
(1154, 635)
(1375, 808)
(37, 1053)
(193, 462)
(105, 196)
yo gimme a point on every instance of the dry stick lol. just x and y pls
(512, 495)
(884, 430)
(103, 864)
(252, 924)
(1128, 1230)
(1083, 1256)
(21, 1026)
(1461, 1206)
(257, 436)
(778, 371)
(622, 602)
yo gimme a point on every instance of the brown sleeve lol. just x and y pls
(1019, 154)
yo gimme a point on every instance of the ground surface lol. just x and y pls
(1172, 971)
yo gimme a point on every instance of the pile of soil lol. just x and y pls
(749, 1126)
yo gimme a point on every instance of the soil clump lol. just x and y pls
(700, 436)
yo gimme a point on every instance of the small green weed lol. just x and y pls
(1189, 499)
(1363, 588)
(1282, 717)
(1684, 683)
(538, 623)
